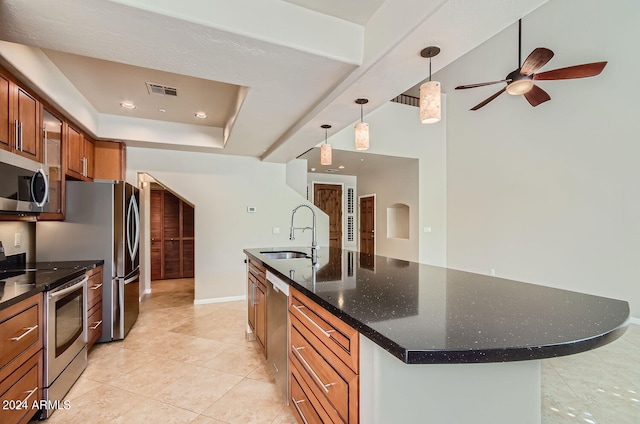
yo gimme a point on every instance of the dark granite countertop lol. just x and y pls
(23, 281)
(425, 314)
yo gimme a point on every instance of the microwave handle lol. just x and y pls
(46, 188)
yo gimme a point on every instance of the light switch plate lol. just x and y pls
(17, 239)
(276, 230)
(251, 209)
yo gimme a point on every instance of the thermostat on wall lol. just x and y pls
(251, 209)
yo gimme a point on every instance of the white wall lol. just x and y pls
(221, 188)
(395, 130)
(394, 185)
(9, 229)
(550, 194)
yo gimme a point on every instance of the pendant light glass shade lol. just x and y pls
(362, 136)
(325, 154)
(430, 92)
(362, 129)
(325, 150)
(430, 105)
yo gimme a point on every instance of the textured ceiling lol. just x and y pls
(301, 63)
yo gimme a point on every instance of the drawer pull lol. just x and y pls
(295, 403)
(30, 393)
(96, 287)
(29, 330)
(308, 367)
(325, 332)
(97, 325)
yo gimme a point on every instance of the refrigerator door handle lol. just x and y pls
(133, 218)
(131, 279)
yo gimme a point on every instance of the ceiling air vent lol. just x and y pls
(162, 90)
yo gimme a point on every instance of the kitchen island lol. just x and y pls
(441, 345)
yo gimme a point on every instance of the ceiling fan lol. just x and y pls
(522, 80)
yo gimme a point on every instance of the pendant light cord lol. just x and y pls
(429, 68)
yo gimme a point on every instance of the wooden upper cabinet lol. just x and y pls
(5, 107)
(79, 154)
(19, 120)
(75, 153)
(109, 161)
(27, 117)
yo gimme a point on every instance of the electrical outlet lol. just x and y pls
(17, 239)
(493, 272)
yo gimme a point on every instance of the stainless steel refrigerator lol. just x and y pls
(102, 222)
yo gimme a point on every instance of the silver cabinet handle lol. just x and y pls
(96, 287)
(253, 295)
(325, 332)
(97, 325)
(21, 140)
(30, 393)
(29, 330)
(84, 167)
(44, 143)
(17, 134)
(308, 367)
(295, 403)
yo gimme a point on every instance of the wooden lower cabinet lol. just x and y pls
(94, 306)
(323, 364)
(21, 359)
(257, 302)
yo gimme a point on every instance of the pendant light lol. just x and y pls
(325, 150)
(430, 98)
(362, 129)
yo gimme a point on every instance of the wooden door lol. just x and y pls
(367, 225)
(27, 112)
(5, 119)
(172, 237)
(328, 197)
(156, 234)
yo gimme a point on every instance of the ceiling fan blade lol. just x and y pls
(571, 72)
(462, 87)
(536, 60)
(484, 102)
(536, 95)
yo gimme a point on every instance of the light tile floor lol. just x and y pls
(185, 363)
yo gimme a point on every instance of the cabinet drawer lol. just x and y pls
(339, 337)
(257, 269)
(94, 326)
(20, 332)
(94, 290)
(324, 373)
(306, 407)
(20, 390)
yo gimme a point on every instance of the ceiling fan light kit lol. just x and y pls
(430, 92)
(362, 129)
(522, 80)
(325, 149)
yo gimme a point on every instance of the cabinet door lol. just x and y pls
(261, 315)
(251, 306)
(89, 157)
(75, 152)
(5, 119)
(52, 157)
(27, 108)
(156, 235)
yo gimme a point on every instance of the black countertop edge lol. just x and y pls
(75, 269)
(485, 355)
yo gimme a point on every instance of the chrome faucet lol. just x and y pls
(314, 243)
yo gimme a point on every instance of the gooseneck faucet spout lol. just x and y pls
(314, 243)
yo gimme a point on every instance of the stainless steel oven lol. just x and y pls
(66, 338)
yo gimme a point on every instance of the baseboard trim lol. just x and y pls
(218, 300)
(633, 320)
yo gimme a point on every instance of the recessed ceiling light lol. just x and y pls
(162, 110)
(313, 169)
(128, 105)
(341, 167)
(201, 115)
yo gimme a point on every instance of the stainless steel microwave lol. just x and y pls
(24, 185)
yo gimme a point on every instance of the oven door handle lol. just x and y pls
(62, 292)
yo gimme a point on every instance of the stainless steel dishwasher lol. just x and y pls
(277, 334)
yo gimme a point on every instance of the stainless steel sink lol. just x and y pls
(285, 254)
